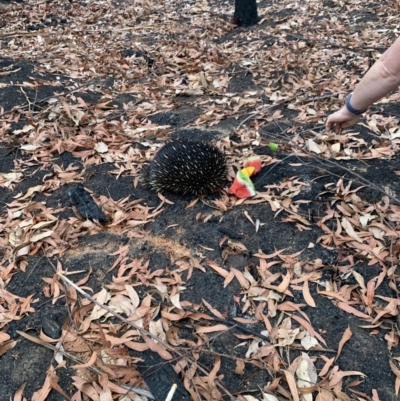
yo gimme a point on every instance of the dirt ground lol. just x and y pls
(289, 295)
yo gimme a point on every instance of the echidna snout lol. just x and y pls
(192, 168)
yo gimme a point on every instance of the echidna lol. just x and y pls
(186, 167)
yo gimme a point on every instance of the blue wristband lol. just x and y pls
(351, 109)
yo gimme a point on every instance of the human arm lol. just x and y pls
(382, 78)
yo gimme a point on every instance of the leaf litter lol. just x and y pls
(244, 317)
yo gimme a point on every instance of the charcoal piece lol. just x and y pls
(51, 328)
(230, 233)
(245, 12)
(159, 376)
(85, 205)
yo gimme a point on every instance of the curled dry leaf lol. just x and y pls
(156, 328)
(308, 341)
(360, 280)
(239, 369)
(253, 348)
(350, 230)
(101, 147)
(19, 394)
(31, 191)
(346, 337)
(6, 179)
(7, 346)
(211, 329)
(30, 147)
(175, 301)
(307, 295)
(103, 297)
(291, 381)
(250, 397)
(122, 305)
(90, 362)
(313, 147)
(4, 337)
(337, 376)
(396, 371)
(354, 311)
(269, 397)
(287, 336)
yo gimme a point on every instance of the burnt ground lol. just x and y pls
(169, 242)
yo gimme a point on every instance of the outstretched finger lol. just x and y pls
(330, 124)
(338, 127)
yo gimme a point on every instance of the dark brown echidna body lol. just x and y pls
(191, 168)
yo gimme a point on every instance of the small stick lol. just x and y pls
(171, 392)
(27, 99)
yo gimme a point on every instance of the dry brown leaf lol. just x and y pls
(40, 236)
(307, 295)
(86, 388)
(213, 374)
(222, 272)
(326, 367)
(157, 347)
(345, 337)
(90, 362)
(285, 283)
(350, 230)
(308, 341)
(287, 336)
(313, 147)
(325, 395)
(347, 308)
(336, 377)
(211, 329)
(309, 328)
(360, 280)
(244, 283)
(370, 292)
(42, 394)
(291, 381)
(30, 192)
(175, 301)
(269, 397)
(239, 370)
(6, 346)
(19, 394)
(211, 309)
(396, 371)
(4, 337)
(103, 297)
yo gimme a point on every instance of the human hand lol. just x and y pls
(341, 119)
